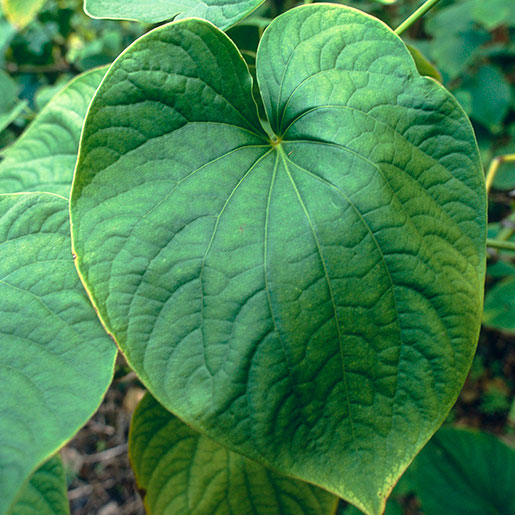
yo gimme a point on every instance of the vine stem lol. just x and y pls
(499, 244)
(494, 166)
(408, 22)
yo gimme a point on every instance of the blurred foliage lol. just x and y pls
(467, 44)
(21, 12)
(39, 59)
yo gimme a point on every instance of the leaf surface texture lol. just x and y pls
(463, 471)
(184, 472)
(310, 298)
(223, 13)
(43, 157)
(55, 359)
(44, 493)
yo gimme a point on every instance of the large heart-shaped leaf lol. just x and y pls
(223, 13)
(43, 157)
(311, 298)
(184, 472)
(55, 359)
(44, 493)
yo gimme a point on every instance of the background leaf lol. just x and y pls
(463, 471)
(222, 13)
(183, 472)
(494, 13)
(43, 157)
(456, 38)
(424, 67)
(310, 298)
(490, 95)
(505, 177)
(55, 358)
(500, 306)
(44, 493)
(10, 105)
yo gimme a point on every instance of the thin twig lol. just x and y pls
(500, 244)
(108, 454)
(408, 22)
(34, 68)
(79, 492)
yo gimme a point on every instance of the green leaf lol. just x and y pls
(490, 93)
(44, 493)
(7, 32)
(10, 106)
(500, 306)
(501, 268)
(43, 157)
(9, 90)
(310, 299)
(7, 117)
(21, 12)
(456, 39)
(223, 13)
(461, 471)
(55, 358)
(494, 13)
(424, 66)
(183, 472)
(455, 18)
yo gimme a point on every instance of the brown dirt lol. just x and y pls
(101, 481)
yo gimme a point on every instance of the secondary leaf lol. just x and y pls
(43, 157)
(7, 32)
(494, 13)
(424, 66)
(456, 38)
(9, 90)
(183, 472)
(310, 299)
(44, 493)
(55, 359)
(8, 116)
(223, 14)
(10, 106)
(462, 471)
(490, 93)
(500, 306)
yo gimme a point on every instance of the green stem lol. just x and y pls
(406, 24)
(498, 244)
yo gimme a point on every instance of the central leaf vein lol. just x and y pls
(265, 273)
(329, 286)
(373, 237)
(215, 228)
